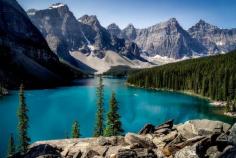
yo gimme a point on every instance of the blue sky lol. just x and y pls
(144, 13)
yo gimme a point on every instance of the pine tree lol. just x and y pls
(228, 108)
(11, 146)
(98, 131)
(75, 130)
(23, 121)
(113, 124)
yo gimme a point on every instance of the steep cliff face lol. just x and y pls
(165, 39)
(216, 40)
(25, 55)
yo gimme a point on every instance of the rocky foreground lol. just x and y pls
(193, 139)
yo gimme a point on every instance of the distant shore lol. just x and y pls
(215, 103)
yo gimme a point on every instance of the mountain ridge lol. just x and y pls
(166, 39)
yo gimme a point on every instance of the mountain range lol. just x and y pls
(49, 46)
(85, 43)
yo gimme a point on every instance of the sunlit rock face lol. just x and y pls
(216, 40)
(165, 39)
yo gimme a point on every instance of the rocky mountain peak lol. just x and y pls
(113, 26)
(202, 25)
(31, 11)
(90, 20)
(130, 26)
(114, 30)
(130, 32)
(170, 23)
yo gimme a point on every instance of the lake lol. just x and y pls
(52, 111)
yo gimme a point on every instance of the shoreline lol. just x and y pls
(214, 103)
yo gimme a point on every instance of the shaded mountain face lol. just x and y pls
(216, 40)
(164, 39)
(130, 32)
(24, 53)
(114, 30)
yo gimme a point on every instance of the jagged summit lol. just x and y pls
(113, 26)
(89, 20)
(201, 24)
(31, 11)
(114, 30)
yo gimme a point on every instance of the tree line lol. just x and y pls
(213, 77)
(112, 127)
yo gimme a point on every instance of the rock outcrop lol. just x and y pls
(194, 139)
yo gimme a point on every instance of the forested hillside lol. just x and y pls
(213, 77)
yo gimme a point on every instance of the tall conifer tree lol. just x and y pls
(23, 121)
(75, 130)
(113, 124)
(99, 125)
(11, 146)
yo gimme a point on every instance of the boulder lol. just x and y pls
(43, 150)
(186, 130)
(188, 152)
(212, 152)
(209, 126)
(89, 154)
(161, 141)
(77, 154)
(202, 127)
(110, 141)
(145, 153)
(113, 150)
(126, 153)
(162, 131)
(229, 152)
(232, 135)
(180, 143)
(138, 140)
(147, 129)
(167, 124)
(222, 141)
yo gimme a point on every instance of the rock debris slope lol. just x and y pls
(195, 139)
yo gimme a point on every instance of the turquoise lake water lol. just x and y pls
(52, 111)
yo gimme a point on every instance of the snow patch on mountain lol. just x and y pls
(57, 5)
(220, 43)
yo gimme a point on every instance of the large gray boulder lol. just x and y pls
(201, 127)
(232, 135)
(138, 140)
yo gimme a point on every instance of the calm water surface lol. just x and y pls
(52, 111)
